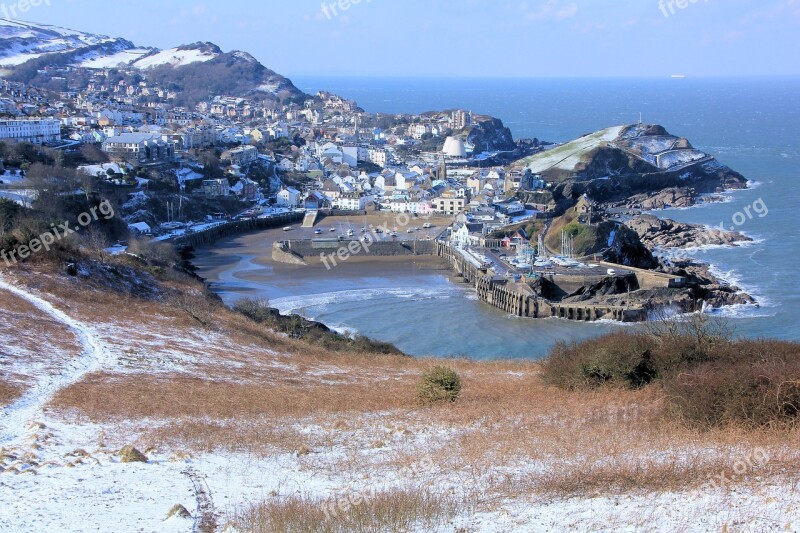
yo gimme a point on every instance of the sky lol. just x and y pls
(463, 38)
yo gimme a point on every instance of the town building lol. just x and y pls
(241, 155)
(142, 147)
(36, 131)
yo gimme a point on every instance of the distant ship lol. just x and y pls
(678, 76)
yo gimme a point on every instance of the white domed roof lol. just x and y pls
(454, 147)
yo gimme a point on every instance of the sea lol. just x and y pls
(750, 124)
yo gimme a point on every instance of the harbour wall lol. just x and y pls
(519, 299)
(308, 249)
(207, 236)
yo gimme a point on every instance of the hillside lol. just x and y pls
(196, 71)
(252, 429)
(23, 41)
(619, 162)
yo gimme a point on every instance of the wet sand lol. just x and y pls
(248, 257)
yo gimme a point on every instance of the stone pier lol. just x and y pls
(519, 299)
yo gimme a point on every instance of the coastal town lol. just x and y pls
(482, 267)
(181, 159)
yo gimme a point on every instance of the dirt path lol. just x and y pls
(17, 417)
(205, 519)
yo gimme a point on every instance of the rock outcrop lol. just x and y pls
(656, 233)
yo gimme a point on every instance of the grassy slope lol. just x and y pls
(182, 388)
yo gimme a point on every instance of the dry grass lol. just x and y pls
(9, 392)
(508, 432)
(392, 510)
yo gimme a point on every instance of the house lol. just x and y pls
(35, 131)
(217, 187)
(241, 155)
(286, 165)
(142, 147)
(449, 202)
(315, 200)
(353, 201)
(288, 197)
(246, 189)
(140, 228)
(511, 208)
(467, 234)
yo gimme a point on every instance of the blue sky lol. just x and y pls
(472, 38)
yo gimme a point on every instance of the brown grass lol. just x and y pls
(9, 392)
(393, 510)
(508, 431)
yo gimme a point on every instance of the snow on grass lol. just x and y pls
(8, 177)
(74, 483)
(568, 156)
(79, 468)
(678, 158)
(124, 57)
(174, 57)
(25, 41)
(31, 403)
(101, 169)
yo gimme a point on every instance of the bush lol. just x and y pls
(709, 380)
(618, 359)
(439, 384)
(258, 311)
(753, 383)
(665, 349)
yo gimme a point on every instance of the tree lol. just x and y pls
(93, 154)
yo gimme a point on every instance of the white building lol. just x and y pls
(288, 197)
(353, 201)
(36, 131)
(241, 155)
(377, 157)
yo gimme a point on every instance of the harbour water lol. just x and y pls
(752, 125)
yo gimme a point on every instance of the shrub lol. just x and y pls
(663, 350)
(256, 310)
(370, 510)
(439, 384)
(753, 383)
(618, 359)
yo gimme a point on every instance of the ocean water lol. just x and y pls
(752, 125)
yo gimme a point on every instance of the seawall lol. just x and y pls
(207, 236)
(519, 299)
(310, 249)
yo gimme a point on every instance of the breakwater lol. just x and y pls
(209, 235)
(519, 299)
(310, 249)
(516, 298)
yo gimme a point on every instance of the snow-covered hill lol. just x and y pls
(179, 56)
(22, 41)
(199, 70)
